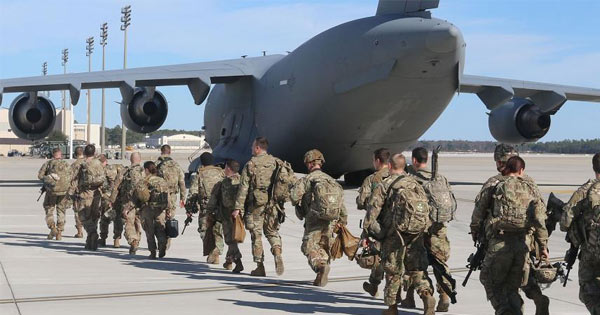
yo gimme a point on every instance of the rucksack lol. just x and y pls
(207, 179)
(283, 179)
(512, 199)
(63, 170)
(328, 198)
(592, 220)
(92, 174)
(441, 199)
(169, 171)
(409, 206)
(159, 194)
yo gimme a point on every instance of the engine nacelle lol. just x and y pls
(518, 121)
(32, 117)
(146, 112)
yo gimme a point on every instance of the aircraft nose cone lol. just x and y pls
(443, 39)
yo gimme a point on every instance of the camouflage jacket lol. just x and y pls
(74, 171)
(259, 169)
(111, 171)
(152, 191)
(577, 216)
(166, 164)
(56, 176)
(484, 203)
(207, 178)
(302, 197)
(368, 185)
(222, 200)
(125, 183)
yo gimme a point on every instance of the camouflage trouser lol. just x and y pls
(133, 225)
(89, 212)
(416, 264)
(76, 205)
(59, 202)
(436, 240)
(589, 281)
(233, 251)
(392, 261)
(107, 215)
(153, 222)
(217, 230)
(504, 270)
(172, 204)
(257, 220)
(316, 242)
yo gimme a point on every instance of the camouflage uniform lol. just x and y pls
(89, 199)
(581, 220)
(397, 252)
(168, 168)
(107, 213)
(506, 265)
(364, 193)
(260, 216)
(222, 204)
(153, 212)
(75, 204)
(207, 178)
(125, 204)
(56, 177)
(318, 233)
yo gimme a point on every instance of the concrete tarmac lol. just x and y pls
(60, 277)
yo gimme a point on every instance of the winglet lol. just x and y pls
(405, 6)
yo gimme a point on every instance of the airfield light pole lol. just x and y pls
(45, 73)
(126, 20)
(65, 59)
(90, 50)
(103, 37)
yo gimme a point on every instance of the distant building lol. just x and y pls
(179, 141)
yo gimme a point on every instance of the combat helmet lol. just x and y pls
(313, 155)
(545, 273)
(503, 152)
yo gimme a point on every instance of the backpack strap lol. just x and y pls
(387, 193)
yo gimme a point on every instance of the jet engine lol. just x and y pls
(146, 111)
(518, 121)
(32, 116)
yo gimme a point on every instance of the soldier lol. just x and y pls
(153, 194)
(87, 182)
(398, 216)
(79, 159)
(255, 184)
(172, 173)
(581, 221)
(222, 203)
(320, 200)
(206, 179)
(124, 203)
(513, 211)
(380, 163)
(56, 177)
(443, 206)
(502, 153)
(107, 213)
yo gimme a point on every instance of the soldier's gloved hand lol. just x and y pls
(235, 213)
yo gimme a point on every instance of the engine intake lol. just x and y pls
(31, 116)
(518, 121)
(146, 112)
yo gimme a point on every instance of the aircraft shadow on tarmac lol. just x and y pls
(299, 296)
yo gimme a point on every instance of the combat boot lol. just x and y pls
(238, 266)
(443, 303)
(392, 310)
(117, 243)
(79, 233)
(52, 233)
(102, 242)
(541, 305)
(213, 257)
(88, 242)
(59, 236)
(409, 300)
(370, 288)
(152, 254)
(133, 247)
(259, 271)
(278, 260)
(162, 252)
(428, 303)
(322, 275)
(228, 265)
(94, 242)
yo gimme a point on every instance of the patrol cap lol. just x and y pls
(313, 155)
(503, 152)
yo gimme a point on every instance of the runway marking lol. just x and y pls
(12, 293)
(266, 284)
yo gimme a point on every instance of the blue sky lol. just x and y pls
(542, 40)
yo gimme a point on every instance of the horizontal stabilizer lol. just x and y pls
(405, 6)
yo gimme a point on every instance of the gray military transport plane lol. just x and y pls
(378, 81)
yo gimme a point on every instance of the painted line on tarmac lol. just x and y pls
(266, 284)
(12, 293)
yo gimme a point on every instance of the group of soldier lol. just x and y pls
(407, 211)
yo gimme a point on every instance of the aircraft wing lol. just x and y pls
(405, 6)
(550, 97)
(197, 76)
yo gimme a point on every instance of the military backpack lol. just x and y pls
(512, 199)
(154, 192)
(207, 179)
(169, 171)
(409, 206)
(592, 221)
(441, 199)
(328, 198)
(60, 182)
(92, 174)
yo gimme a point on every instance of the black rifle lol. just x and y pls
(554, 211)
(475, 260)
(440, 273)
(187, 222)
(42, 191)
(570, 258)
(434, 161)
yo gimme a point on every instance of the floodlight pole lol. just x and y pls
(103, 37)
(65, 59)
(45, 73)
(126, 20)
(90, 50)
